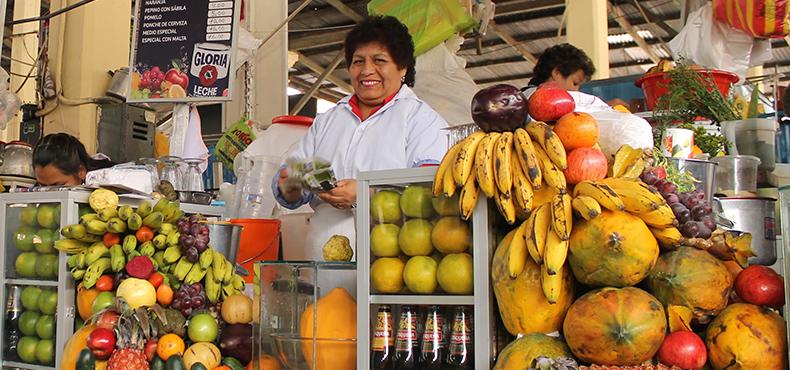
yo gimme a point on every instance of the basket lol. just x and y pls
(655, 85)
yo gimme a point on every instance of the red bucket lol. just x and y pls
(655, 85)
(260, 241)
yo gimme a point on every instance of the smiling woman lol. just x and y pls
(383, 125)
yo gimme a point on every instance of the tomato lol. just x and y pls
(156, 279)
(145, 234)
(164, 295)
(101, 341)
(111, 239)
(105, 283)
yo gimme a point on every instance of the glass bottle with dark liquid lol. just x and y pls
(433, 348)
(460, 352)
(12, 332)
(406, 340)
(383, 340)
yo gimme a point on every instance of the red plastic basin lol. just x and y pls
(655, 85)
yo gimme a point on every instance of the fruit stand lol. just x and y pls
(388, 194)
(40, 274)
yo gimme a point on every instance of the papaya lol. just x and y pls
(519, 354)
(745, 336)
(74, 346)
(337, 319)
(85, 298)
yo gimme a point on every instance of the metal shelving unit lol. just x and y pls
(482, 249)
(69, 202)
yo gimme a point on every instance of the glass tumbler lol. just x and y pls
(193, 178)
(151, 164)
(171, 172)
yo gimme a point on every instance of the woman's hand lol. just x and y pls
(343, 196)
(290, 193)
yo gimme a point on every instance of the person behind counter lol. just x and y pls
(383, 125)
(61, 159)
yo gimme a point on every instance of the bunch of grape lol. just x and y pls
(152, 79)
(189, 298)
(692, 211)
(194, 237)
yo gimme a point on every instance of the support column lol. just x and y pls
(24, 51)
(84, 44)
(756, 71)
(587, 25)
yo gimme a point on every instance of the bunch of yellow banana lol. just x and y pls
(629, 162)
(505, 166)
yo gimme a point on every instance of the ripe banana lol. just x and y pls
(602, 194)
(465, 158)
(229, 270)
(552, 175)
(517, 253)
(124, 212)
(117, 258)
(96, 227)
(562, 215)
(129, 244)
(526, 154)
(467, 200)
(160, 205)
(172, 254)
(105, 214)
(444, 166)
(116, 225)
(448, 184)
(668, 238)
(94, 271)
(660, 218)
(154, 220)
(160, 241)
(503, 154)
(144, 209)
(172, 239)
(537, 230)
(70, 246)
(135, 222)
(212, 287)
(147, 249)
(641, 197)
(626, 157)
(196, 273)
(167, 229)
(95, 252)
(634, 170)
(182, 269)
(522, 190)
(551, 283)
(218, 264)
(586, 207)
(549, 141)
(484, 164)
(238, 282)
(507, 206)
(556, 252)
(206, 258)
(88, 217)
(75, 231)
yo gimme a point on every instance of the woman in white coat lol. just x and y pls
(382, 126)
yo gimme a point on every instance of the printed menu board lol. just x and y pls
(182, 50)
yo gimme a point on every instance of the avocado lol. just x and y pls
(175, 362)
(157, 363)
(85, 360)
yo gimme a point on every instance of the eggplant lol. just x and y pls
(499, 108)
(236, 342)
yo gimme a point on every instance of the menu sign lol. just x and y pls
(182, 50)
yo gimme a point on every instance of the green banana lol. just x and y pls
(167, 229)
(105, 214)
(196, 273)
(75, 231)
(172, 239)
(160, 241)
(238, 282)
(206, 258)
(89, 238)
(217, 263)
(228, 272)
(81, 259)
(154, 220)
(144, 209)
(212, 287)
(94, 271)
(117, 258)
(124, 212)
(96, 227)
(132, 254)
(159, 257)
(172, 254)
(77, 273)
(147, 249)
(228, 290)
(88, 217)
(129, 244)
(71, 262)
(70, 246)
(135, 222)
(172, 218)
(172, 212)
(172, 280)
(182, 269)
(161, 204)
(154, 263)
(96, 252)
(116, 225)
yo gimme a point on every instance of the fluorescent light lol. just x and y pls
(291, 91)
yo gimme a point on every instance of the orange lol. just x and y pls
(168, 345)
(577, 130)
(164, 295)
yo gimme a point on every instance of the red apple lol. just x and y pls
(586, 164)
(101, 342)
(177, 77)
(150, 348)
(499, 108)
(683, 349)
(550, 102)
(760, 285)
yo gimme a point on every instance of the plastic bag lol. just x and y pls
(9, 107)
(234, 141)
(717, 45)
(759, 18)
(429, 22)
(618, 128)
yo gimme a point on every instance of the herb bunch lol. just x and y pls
(689, 95)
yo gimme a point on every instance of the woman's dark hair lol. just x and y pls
(391, 33)
(566, 58)
(66, 153)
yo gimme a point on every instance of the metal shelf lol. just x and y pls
(26, 282)
(23, 365)
(441, 300)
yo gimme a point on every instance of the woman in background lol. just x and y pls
(61, 159)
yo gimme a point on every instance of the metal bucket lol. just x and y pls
(224, 237)
(756, 216)
(703, 171)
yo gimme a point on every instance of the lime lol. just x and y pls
(27, 322)
(30, 298)
(26, 264)
(44, 240)
(28, 215)
(45, 265)
(44, 351)
(26, 349)
(45, 327)
(48, 301)
(24, 237)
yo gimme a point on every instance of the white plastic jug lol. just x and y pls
(257, 200)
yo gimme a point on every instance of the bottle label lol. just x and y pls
(461, 337)
(407, 332)
(433, 338)
(382, 335)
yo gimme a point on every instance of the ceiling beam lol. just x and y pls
(330, 39)
(523, 76)
(631, 30)
(513, 43)
(318, 70)
(302, 85)
(519, 6)
(346, 10)
(317, 84)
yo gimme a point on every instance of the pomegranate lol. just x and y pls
(586, 164)
(683, 349)
(761, 286)
(550, 102)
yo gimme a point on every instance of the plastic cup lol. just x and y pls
(736, 175)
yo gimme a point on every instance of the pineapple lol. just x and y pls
(132, 331)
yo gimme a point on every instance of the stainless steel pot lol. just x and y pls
(16, 159)
(703, 171)
(758, 217)
(225, 237)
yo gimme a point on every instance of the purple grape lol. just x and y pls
(667, 188)
(704, 231)
(192, 255)
(692, 201)
(678, 208)
(197, 287)
(672, 199)
(649, 178)
(698, 212)
(189, 241)
(660, 183)
(198, 302)
(691, 229)
(186, 311)
(180, 294)
(699, 194)
(187, 302)
(184, 229)
(709, 223)
(194, 229)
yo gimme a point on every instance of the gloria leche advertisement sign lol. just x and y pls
(182, 50)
